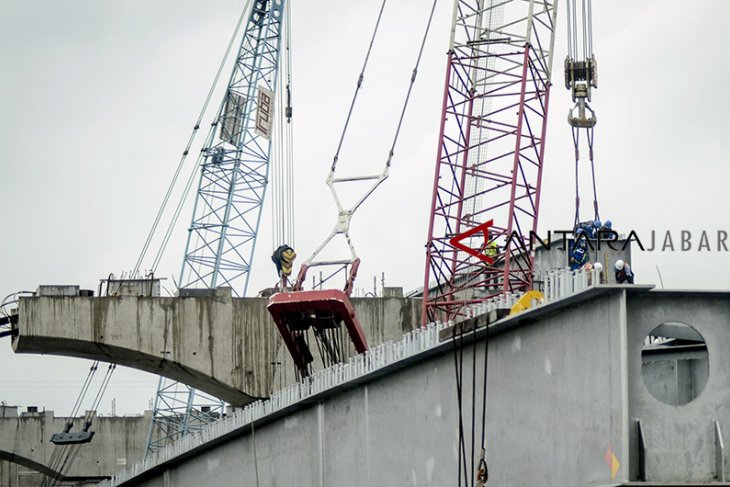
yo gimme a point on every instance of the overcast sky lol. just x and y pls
(98, 99)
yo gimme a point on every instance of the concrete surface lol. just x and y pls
(556, 257)
(564, 393)
(26, 450)
(227, 347)
(681, 439)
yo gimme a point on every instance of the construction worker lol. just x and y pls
(492, 249)
(283, 257)
(578, 254)
(587, 227)
(597, 225)
(624, 274)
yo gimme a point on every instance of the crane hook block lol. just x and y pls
(585, 117)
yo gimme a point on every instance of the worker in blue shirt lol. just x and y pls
(578, 254)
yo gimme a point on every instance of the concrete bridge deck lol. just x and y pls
(568, 393)
(228, 347)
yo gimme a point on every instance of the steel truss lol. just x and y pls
(178, 411)
(490, 155)
(235, 169)
(234, 175)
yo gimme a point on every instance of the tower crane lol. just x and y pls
(234, 172)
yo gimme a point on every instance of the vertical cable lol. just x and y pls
(584, 29)
(290, 130)
(575, 29)
(359, 85)
(569, 30)
(590, 29)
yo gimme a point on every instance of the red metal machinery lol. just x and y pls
(324, 312)
(490, 155)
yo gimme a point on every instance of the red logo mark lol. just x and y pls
(479, 254)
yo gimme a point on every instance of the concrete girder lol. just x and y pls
(566, 395)
(227, 347)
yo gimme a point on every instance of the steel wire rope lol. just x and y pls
(84, 388)
(63, 458)
(290, 127)
(52, 464)
(400, 120)
(284, 133)
(281, 216)
(589, 27)
(69, 458)
(410, 85)
(61, 452)
(589, 136)
(191, 139)
(102, 389)
(585, 29)
(473, 396)
(576, 141)
(458, 368)
(360, 79)
(574, 25)
(484, 400)
(569, 31)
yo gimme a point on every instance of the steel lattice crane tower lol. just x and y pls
(490, 155)
(230, 196)
(234, 174)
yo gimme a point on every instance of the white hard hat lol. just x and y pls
(598, 266)
(619, 265)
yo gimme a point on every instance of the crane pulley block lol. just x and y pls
(581, 76)
(323, 312)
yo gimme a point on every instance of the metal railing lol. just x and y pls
(557, 285)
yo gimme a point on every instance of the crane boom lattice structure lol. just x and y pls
(234, 173)
(490, 155)
(234, 176)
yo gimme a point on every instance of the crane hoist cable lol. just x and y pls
(183, 159)
(478, 464)
(580, 76)
(65, 453)
(281, 181)
(330, 342)
(342, 225)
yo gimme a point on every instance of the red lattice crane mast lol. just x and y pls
(486, 192)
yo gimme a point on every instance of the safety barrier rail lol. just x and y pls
(556, 285)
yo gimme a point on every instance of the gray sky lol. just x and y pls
(98, 99)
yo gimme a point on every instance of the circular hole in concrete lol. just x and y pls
(674, 363)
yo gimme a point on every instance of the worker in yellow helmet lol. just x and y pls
(283, 257)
